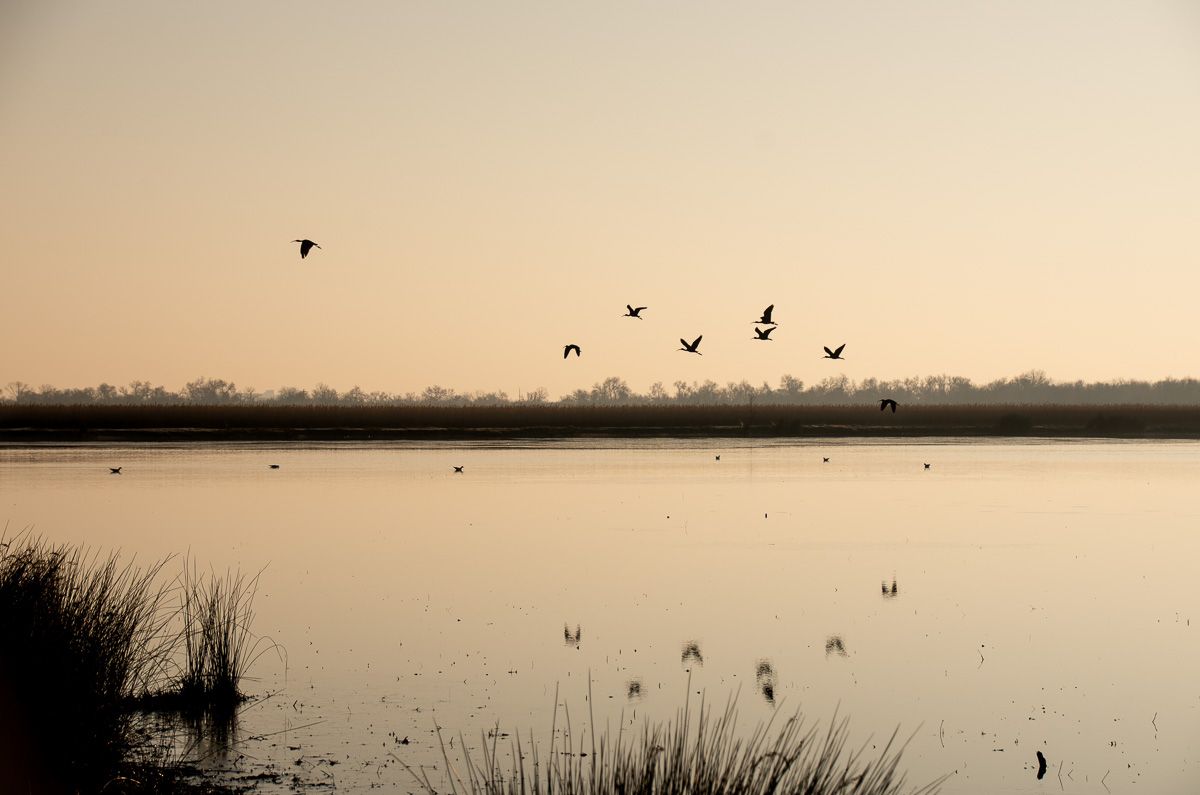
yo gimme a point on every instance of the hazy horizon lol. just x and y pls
(945, 187)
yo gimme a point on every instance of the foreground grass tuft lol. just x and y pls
(697, 754)
(219, 647)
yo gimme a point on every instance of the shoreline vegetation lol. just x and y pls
(38, 423)
(104, 665)
(699, 753)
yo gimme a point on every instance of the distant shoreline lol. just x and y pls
(248, 423)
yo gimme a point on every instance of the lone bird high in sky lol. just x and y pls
(691, 347)
(572, 347)
(306, 246)
(633, 311)
(834, 354)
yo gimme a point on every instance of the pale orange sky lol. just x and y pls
(976, 188)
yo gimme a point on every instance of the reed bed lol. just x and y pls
(693, 754)
(88, 642)
(34, 422)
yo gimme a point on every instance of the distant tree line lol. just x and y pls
(1032, 387)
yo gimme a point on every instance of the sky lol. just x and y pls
(973, 188)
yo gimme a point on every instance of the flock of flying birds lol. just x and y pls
(763, 334)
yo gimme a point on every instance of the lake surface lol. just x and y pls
(1045, 593)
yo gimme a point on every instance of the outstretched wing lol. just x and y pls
(838, 352)
(638, 309)
(696, 344)
(305, 247)
(766, 335)
(629, 308)
(766, 318)
(567, 350)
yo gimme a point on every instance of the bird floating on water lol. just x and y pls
(766, 317)
(458, 469)
(306, 246)
(764, 333)
(572, 347)
(885, 402)
(634, 311)
(691, 348)
(114, 470)
(834, 354)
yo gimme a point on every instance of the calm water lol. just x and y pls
(1045, 592)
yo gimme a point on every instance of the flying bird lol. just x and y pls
(692, 347)
(306, 246)
(836, 354)
(766, 316)
(824, 459)
(885, 402)
(764, 333)
(927, 466)
(634, 311)
(114, 470)
(718, 458)
(568, 348)
(458, 469)
(273, 466)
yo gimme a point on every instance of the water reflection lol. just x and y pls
(891, 593)
(835, 644)
(764, 680)
(633, 689)
(572, 639)
(207, 737)
(691, 651)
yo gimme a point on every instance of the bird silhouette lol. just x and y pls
(273, 466)
(693, 346)
(568, 348)
(927, 466)
(764, 333)
(114, 470)
(836, 354)
(766, 316)
(885, 402)
(718, 458)
(306, 246)
(458, 469)
(824, 460)
(634, 311)
(1041, 765)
